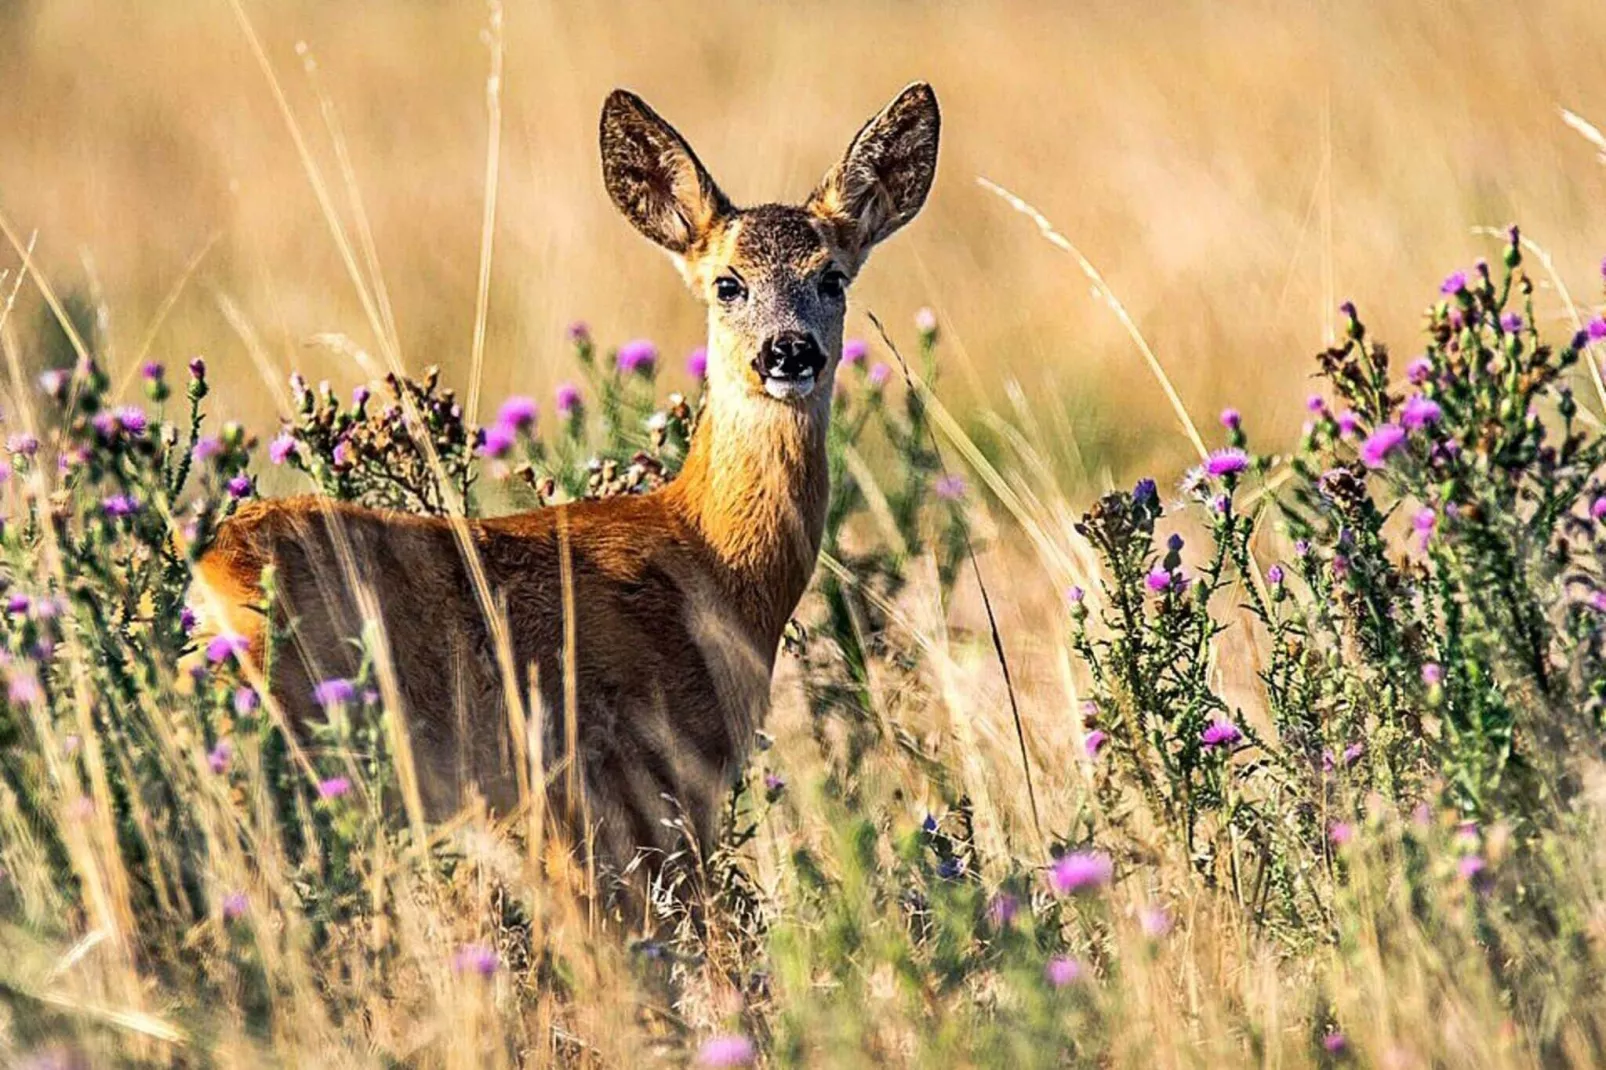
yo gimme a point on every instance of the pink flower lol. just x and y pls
(1432, 673)
(1226, 462)
(1340, 832)
(217, 759)
(854, 350)
(697, 363)
(1154, 920)
(1158, 579)
(879, 374)
(475, 958)
(1080, 871)
(1061, 970)
(1471, 867)
(568, 399)
(1419, 412)
(224, 647)
(1220, 733)
(498, 440)
(334, 787)
(1231, 419)
(234, 906)
(1419, 371)
(1377, 448)
(726, 1051)
(518, 413)
(1095, 742)
(950, 488)
(636, 357)
(282, 448)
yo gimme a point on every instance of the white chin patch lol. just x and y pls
(789, 389)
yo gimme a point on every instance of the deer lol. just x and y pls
(645, 627)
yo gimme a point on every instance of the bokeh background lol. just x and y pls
(1233, 169)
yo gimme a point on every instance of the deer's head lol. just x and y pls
(774, 277)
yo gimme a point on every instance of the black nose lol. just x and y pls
(790, 355)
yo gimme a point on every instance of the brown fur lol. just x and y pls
(679, 597)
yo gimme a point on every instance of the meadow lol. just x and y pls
(1189, 678)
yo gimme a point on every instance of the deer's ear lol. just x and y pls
(653, 176)
(883, 179)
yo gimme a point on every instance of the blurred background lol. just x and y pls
(1233, 170)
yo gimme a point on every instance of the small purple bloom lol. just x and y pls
(54, 382)
(475, 958)
(1597, 508)
(1352, 753)
(18, 604)
(1231, 419)
(1095, 742)
(1080, 871)
(132, 420)
(282, 447)
(1158, 580)
(1075, 595)
(1380, 444)
(578, 333)
(518, 413)
(224, 647)
(1419, 371)
(334, 787)
(1062, 970)
(341, 456)
(217, 759)
(359, 396)
(950, 869)
(104, 423)
(1348, 309)
(727, 1051)
(240, 486)
(773, 784)
(120, 505)
(1418, 412)
(1432, 673)
(1348, 423)
(1227, 462)
(1002, 910)
(498, 440)
(234, 906)
(206, 448)
(697, 363)
(23, 442)
(1316, 404)
(1220, 733)
(950, 488)
(1340, 832)
(568, 399)
(1154, 920)
(334, 692)
(1596, 329)
(1454, 283)
(198, 367)
(1471, 867)
(1275, 575)
(186, 619)
(925, 321)
(854, 350)
(245, 700)
(22, 688)
(636, 357)
(1334, 1043)
(1511, 322)
(879, 374)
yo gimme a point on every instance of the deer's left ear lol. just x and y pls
(886, 173)
(654, 177)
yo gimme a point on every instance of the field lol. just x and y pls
(1297, 757)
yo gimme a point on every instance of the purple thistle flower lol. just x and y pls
(1275, 575)
(198, 367)
(334, 787)
(18, 604)
(240, 487)
(1419, 371)
(518, 413)
(22, 688)
(568, 399)
(636, 357)
(727, 1051)
(336, 691)
(497, 440)
(54, 382)
(132, 420)
(1220, 733)
(1596, 329)
(206, 448)
(1158, 579)
(1334, 1043)
(1002, 909)
(1226, 462)
(773, 784)
(854, 350)
(119, 505)
(341, 457)
(186, 619)
(1511, 322)
(1095, 742)
(1352, 753)
(1348, 423)
(879, 374)
(1316, 404)
(950, 488)
(223, 647)
(1340, 833)
(1061, 970)
(578, 333)
(217, 759)
(1348, 309)
(925, 321)
(1418, 412)
(104, 423)
(1597, 508)
(360, 395)
(1075, 595)
(1380, 444)
(1080, 871)
(697, 363)
(282, 447)
(1424, 523)
(234, 906)
(1454, 283)
(1231, 419)
(1432, 673)
(475, 958)
(1471, 867)
(23, 442)
(245, 700)
(1154, 920)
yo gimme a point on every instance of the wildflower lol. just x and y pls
(636, 357)
(879, 374)
(1002, 909)
(1145, 492)
(131, 419)
(1419, 371)
(1419, 412)
(1226, 462)
(1231, 419)
(22, 689)
(1095, 742)
(360, 395)
(725, 1051)
(54, 382)
(1154, 920)
(1220, 733)
(18, 604)
(282, 447)
(217, 759)
(206, 448)
(1316, 404)
(1596, 329)
(773, 784)
(1158, 579)
(950, 488)
(497, 440)
(1275, 575)
(198, 368)
(1348, 423)
(240, 486)
(1511, 322)
(334, 787)
(1471, 868)
(186, 619)
(1597, 508)
(23, 442)
(1353, 752)
(950, 868)
(1340, 833)
(245, 700)
(568, 399)
(475, 958)
(1424, 523)
(518, 413)
(1380, 444)
(1075, 595)
(1334, 1043)
(119, 505)
(697, 363)
(1080, 871)
(1061, 970)
(578, 333)
(929, 825)
(854, 350)
(334, 692)
(341, 457)
(926, 321)
(1432, 673)
(234, 906)
(224, 647)
(1454, 283)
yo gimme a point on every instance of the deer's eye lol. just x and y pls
(833, 284)
(729, 288)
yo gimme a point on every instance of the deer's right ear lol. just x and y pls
(653, 176)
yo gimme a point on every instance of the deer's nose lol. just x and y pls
(790, 355)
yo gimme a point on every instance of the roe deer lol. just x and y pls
(679, 596)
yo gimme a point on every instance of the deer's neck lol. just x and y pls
(755, 486)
